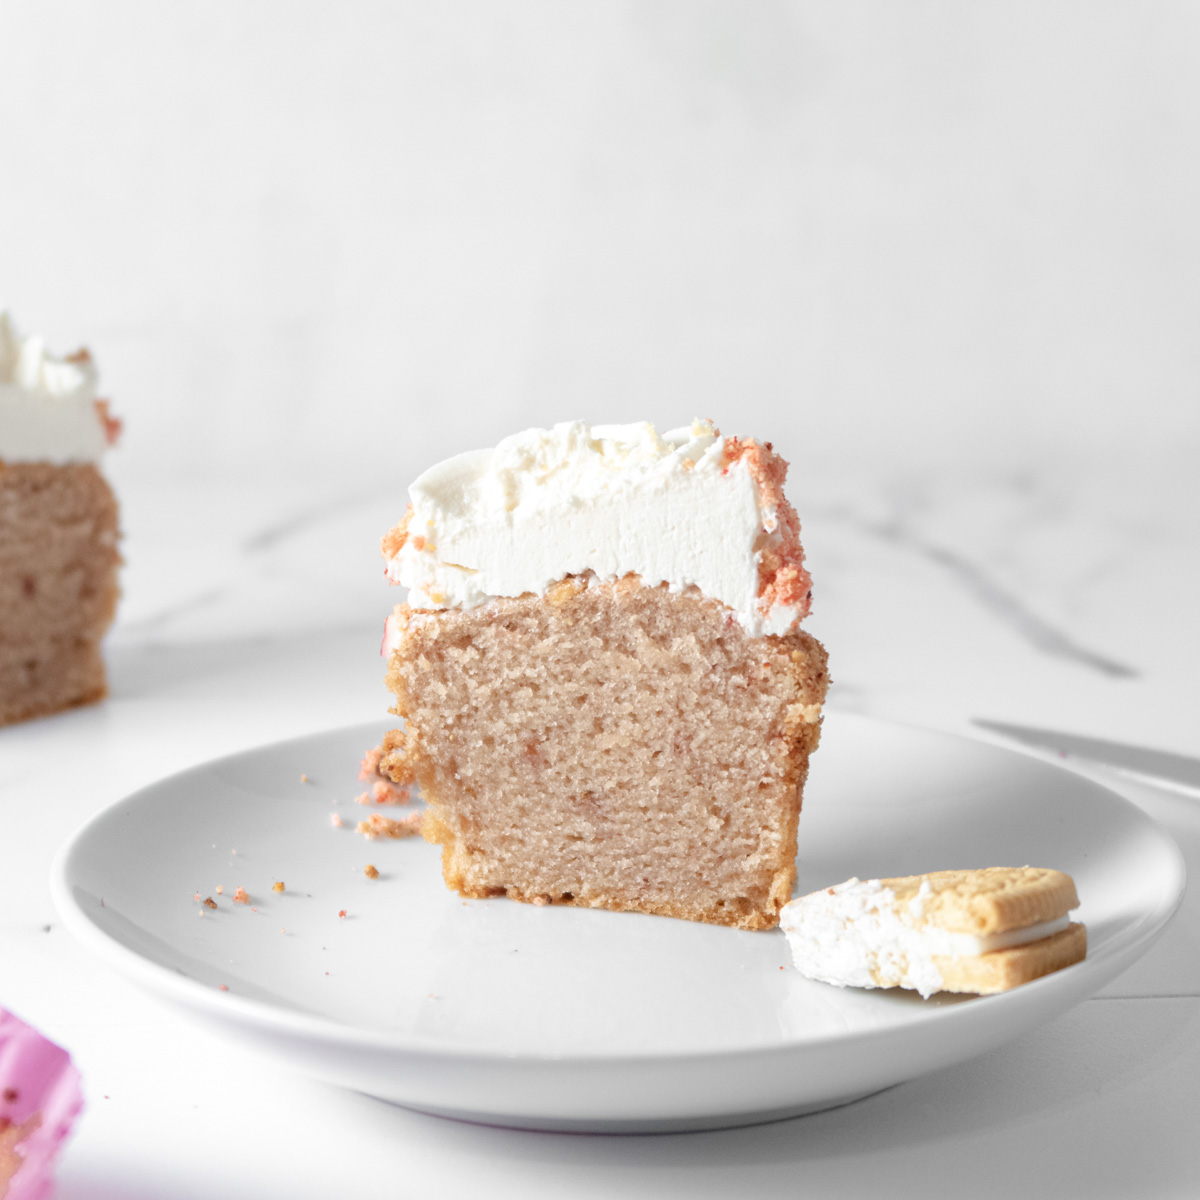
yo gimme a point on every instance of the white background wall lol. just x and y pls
(349, 239)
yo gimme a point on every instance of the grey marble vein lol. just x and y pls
(297, 523)
(1039, 633)
(285, 528)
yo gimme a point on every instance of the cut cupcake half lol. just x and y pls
(607, 698)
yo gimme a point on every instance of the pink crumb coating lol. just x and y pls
(782, 575)
(40, 1097)
(112, 425)
(393, 541)
(393, 630)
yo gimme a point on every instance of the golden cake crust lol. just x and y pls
(609, 745)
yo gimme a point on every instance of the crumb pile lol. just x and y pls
(384, 790)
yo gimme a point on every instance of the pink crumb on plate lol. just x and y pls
(368, 769)
(40, 1097)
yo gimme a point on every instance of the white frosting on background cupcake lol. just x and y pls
(49, 411)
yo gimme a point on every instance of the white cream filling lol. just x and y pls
(47, 404)
(852, 935)
(967, 945)
(611, 499)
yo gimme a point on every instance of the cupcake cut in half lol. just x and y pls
(607, 698)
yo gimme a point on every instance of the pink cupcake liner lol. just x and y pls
(40, 1097)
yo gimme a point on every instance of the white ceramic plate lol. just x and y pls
(565, 1018)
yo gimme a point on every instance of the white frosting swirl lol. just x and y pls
(611, 499)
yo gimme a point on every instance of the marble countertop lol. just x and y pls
(252, 612)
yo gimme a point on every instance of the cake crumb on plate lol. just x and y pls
(377, 826)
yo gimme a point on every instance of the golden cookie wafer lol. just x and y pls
(990, 900)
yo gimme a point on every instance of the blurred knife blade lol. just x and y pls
(1161, 767)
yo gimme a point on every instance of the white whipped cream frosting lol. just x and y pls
(611, 499)
(855, 935)
(48, 407)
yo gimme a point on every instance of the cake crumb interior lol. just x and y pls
(609, 745)
(58, 586)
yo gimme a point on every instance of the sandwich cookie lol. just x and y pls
(980, 931)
